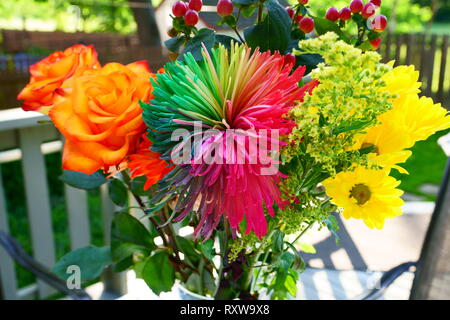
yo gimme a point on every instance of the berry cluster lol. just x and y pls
(185, 16)
(364, 15)
(299, 19)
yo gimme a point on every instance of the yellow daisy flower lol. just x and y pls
(402, 80)
(366, 194)
(418, 117)
(389, 145)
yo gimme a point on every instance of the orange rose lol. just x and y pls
(100, 115)
(48, 75)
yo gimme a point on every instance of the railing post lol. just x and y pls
(77, 211)
(38, 201)
(444, 54)
(8, 285)
(115, 283)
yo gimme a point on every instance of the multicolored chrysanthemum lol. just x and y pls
(228, 89)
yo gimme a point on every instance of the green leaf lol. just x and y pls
(207, 248)
(139, 269)
(277, 241)
(367, 149)
(273, 33)
(123, 265)
(225, 40)
(365, 46)
(309, 60)
(286, 261)
(91, 261)
(118, 192)
(158, 273)
(238, 3)
(137, 186)
(188, 249)
(129, 236)
(83, 181)
(247, 11)
(323, 26)
(205, 36)
(174, 44)
(291, 285)
(307, 247)
(228, 20)
(333, 227)
(354, 125)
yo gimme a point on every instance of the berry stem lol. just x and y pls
(260, 12)
(239, 36)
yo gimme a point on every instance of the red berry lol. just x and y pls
(345, 14)
(376, 2)
(290, 12)
(290, 59)
(179, 8)
(195, 5)
(368, 10)
(375, 43)
(307, 24)
(332, 14)
(191, 17)
(224, 8)
(303, 2)
(356, 6)
(298, 18)
(378, 23)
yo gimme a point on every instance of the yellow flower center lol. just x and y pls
(361, 193)
(366, 145)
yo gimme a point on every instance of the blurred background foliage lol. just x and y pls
(403, 15)
(116, 15)
(69, 15)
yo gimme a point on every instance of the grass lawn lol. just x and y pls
(426, 165)
(440, 28)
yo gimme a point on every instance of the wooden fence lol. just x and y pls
(430, 55)
(14, 69)
(14, 41)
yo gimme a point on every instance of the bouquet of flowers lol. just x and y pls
(238, 146)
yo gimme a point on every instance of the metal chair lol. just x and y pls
(432, 275)
(16, 251)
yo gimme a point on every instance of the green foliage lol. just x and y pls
(205, 37)
(95, 16)
(129, 237)
(346, 100)
(91, 261)
(273, 32)
(83, 181)
(158, 273)
(426, 165)
(403, 15)
(118, 192)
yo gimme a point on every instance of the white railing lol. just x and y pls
(27, 136)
